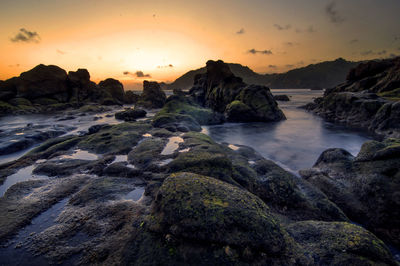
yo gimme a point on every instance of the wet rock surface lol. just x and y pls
(365, 187)
(369, 99)
(153, 193)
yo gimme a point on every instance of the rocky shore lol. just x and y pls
(156, 191)
(369, 99)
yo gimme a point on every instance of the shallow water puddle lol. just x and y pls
(147, 135)
(16, 252)
(185, 150)
(120, 158)
(233, 147)
(172, 145)
(165, 162)
(135, 194)
(81, 155)
(24, 174)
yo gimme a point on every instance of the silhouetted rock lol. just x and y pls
(82, 88)
(114, 88)
(131, 97)
(220, 90)
(365, 187)
(152, 95)
(367, 100)
(282, 97)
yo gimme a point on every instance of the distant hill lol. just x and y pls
(322, 75)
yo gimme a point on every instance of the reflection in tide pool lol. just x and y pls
(295, 143)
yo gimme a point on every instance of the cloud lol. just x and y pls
(392, 55)
(310, 29)
(291, 44)
(289, 65)
(284, 27)
(61, 52)
(166, 66)
(272, 66)
(241, 31)
(333, 13)
(137, 74)
(354, 41)
(25, 35)
(370, 52)
(16, 65)
(254, 51)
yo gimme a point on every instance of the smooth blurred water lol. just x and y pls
(295, 143)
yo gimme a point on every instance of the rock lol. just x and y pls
(172, 122)
(364, 187)
(82, 88)
(338, 243)
(44, 81)
(146, 152)
(367, 100)
(130, 97)
(114, 88)
(8, 89)
(130, 114)
(117, 139)
(234, 216)
(96, 128)
(282, 97)
(152, 95)
(221, 90)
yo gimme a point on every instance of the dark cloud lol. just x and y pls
(289, 65)
(61, 52)
(166, 66)
(333, 14)
(284, 27)
(254, 51)
(300, 63)
(392, 55)
(354, 41)
(368, 52)
(137, 74)
(25, 35)
(272, 66)
(241, 31)
(16, 65)
(310, 29)
(291, 44)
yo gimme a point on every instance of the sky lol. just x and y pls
(160, 40)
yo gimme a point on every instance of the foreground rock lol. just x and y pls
(130, 114)
(220, 90)
(152, 196)
(282, 97)
(50, 88)
(365, 187)
(369, 99)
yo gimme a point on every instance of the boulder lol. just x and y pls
(283, 98)
(114, 89)
(152, 95)
(365, 187)
(44, 81)
(130, 114)
(8, 89)
(223, 92)
(130, 97)
(204, 209)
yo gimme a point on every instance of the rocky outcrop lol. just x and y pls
(369, 99)
(365, 187)
(283, 98)
(152, 96)
(130, 114)
(50, 88)
(223, 92)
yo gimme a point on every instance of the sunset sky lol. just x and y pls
(161, 40)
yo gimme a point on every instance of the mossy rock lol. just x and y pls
(45, 101)
(340, 243)
(168, 120)
(237, 111)
(146, 152)
(6, 108)
(205, 157)
(375, 150)
(20, 101)
(201, 208)
(118, 139)
(182, 105)
(393, 95)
